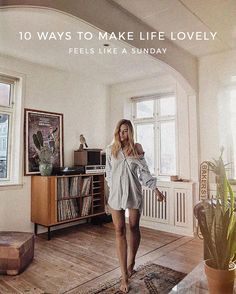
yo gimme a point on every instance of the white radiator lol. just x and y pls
(154, 209)
(180, 206)
(176, 214)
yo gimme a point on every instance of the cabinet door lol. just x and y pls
(43, 208)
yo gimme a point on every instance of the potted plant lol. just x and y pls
(217, 222)
(45, 154)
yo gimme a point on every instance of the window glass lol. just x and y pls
(4, 122)
(158, 143)
(10, 129)
(145, 136)
(167, 106)
(5, 90)
(167, 148)
(144, 109)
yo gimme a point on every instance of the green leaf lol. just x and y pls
(36, 141)
(40, 138)
(232, 244)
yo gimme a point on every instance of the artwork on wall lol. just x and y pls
(50, 125)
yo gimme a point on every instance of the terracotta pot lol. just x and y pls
(220, 281)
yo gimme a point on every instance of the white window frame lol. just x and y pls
(156, 120)
(15, 128)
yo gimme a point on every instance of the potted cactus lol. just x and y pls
(45, 154)
(217, 222)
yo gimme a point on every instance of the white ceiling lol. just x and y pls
(105, 68)
(189, 15)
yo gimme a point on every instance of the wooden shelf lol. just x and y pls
(67, 198)
(51, 203)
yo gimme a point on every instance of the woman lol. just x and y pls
(125, 169)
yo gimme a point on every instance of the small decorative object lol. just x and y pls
(45, 155)
(217, 222)
(174, 178)
(82, 142)
(204, 181)
(50, 125)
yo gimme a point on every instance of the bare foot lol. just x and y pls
(131, 270)
(124, 287)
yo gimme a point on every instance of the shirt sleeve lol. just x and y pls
(145, 176)
(108, 167)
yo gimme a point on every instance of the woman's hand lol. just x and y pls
(160, 196)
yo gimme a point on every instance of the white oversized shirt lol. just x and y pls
(125, 177)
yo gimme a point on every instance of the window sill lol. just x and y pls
(163, 179)
(10, 186)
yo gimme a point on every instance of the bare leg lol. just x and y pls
(134, 217)
(118, 217)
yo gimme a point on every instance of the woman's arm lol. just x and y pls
(160, 195)
(139, 149)
(108, 167)
(145, 176)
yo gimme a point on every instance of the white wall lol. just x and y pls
(84, 104)
(215, 72)
(120, 104)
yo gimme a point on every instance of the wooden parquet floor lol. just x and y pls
(80, 257)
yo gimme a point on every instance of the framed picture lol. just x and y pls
(50, 124)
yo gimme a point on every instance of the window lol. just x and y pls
(6, 88)
(154, 118)
(10, 123)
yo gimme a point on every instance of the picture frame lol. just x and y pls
(51, 126)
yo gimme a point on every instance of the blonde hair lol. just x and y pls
(116, 146)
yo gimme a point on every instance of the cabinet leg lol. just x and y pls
(49, 233)
(35, 229)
